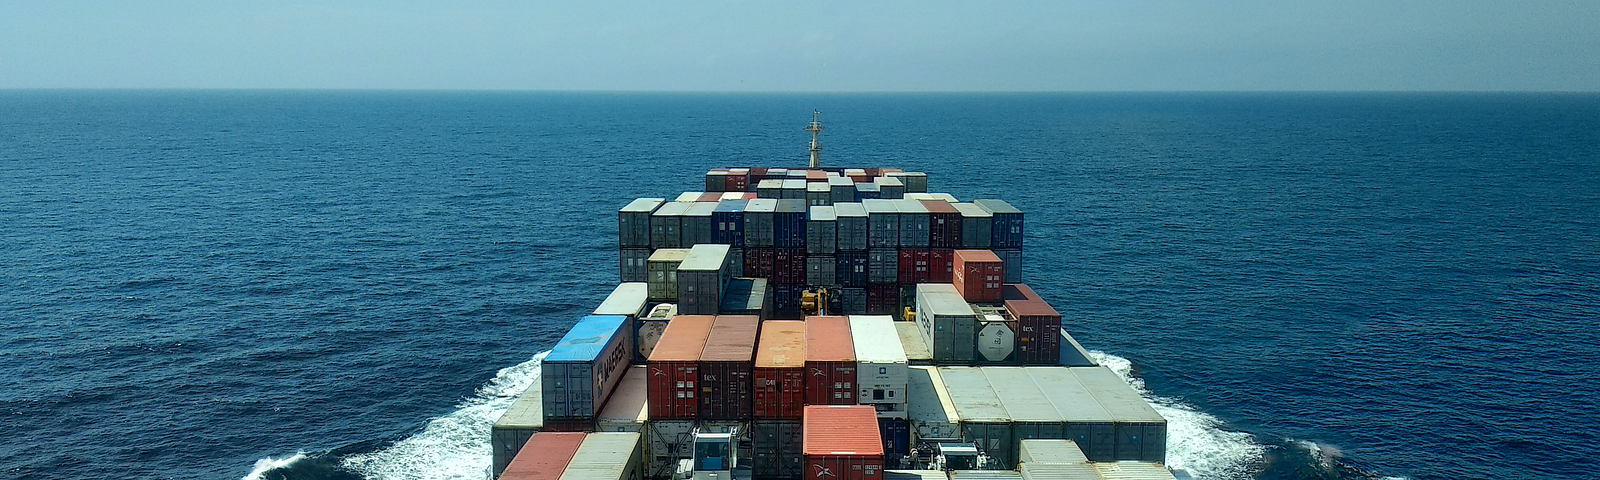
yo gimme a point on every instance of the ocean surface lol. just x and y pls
(343, 285)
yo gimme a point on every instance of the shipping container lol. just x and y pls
(987, 475)
(948, 324)
(675, 368)
(893, 474)
(880, 364)
(648, 331)
(702, 277)
(1032, 414)
(631, 263)
(1058, 471)
(789, 224)
(776, 448)
(944, 224)
(822, 231)
(696, 225)
(628, 409)
(758, 263)
(1007, 227)
(883, 266)
(977, 275)
(731, 197)
(830, 362)
(728, 220)
(747, 296)
(580, 372)
(896, 435)
(780, 370)
(1132, 471)
(717, 180)
(977, 226)
(933, 416)
(789, 266)
(916, 182)
(794, 189)
(883, 223)
(737, 180)
(984, 421)
(662, 273)
(867, 191)
(1088, 424)
(818, 193)
(941, 265)
(669, 441)
(736, 262)
(1139, 432)
(1073, 354)
(1012, 258)
(630, 300)
(758, 221)
(883, 299)
(710, 197)
(890, 188)
(913, 224)
(820, 270)
(913, 266)
(666, 224)
(726, 364)
(633, 222)
(688, 197)
(607, 456)
(853, 300)
(841, 442)
(850, 270)
(1043, 451)
(520, 421)
(911, 341)
(770, 188)
(786, 301)
(777, 173)
(852, 228)
(1037, 324)
(543, 457)
(841, 190)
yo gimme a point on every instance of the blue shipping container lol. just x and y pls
(1007, 228)
(896, 435)
(579, 374)
(786, 301)
(789, 224)
(728, 222)
(850, 269)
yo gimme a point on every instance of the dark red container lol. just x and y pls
(841, 443)
(750, 196)
(913, 266)
(544, 457)
(788, 266)
(977, 274)
(830, 362)
(725, 368)
(780, 370)
(675, 368)
(710, 197)
(1037, 325)
(944, 224)
(735, 183)
(883, 300)
(758, 262)
(941, 263)
(568, 425)
(756, 175)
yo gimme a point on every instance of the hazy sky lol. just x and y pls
(1058, 45)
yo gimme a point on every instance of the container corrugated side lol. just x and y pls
(662, 273)
(726, 365)
(1140, 432)
(1042, 451)
(607, 456)
(933, 415)
(1036, 324)
(883, 223)
(697, 227)
(1007, 226)
(1087, 423)
(727, 222)
(821, 270)
(896, 435)
(780, 370)
(913, 224)
(524, 418)
(631, 264)
(944, 224)
(840, 442)
(852, 229)
(1132, 471)
(789, 224)
(543, 457)
(841, 189)
(830, 362)
(1058, 471)
(579, 373)
(1012, 258)
(775, 446)
(818, 193)
(880, 364)
(1032, 414)
(758, 222)
(669, 441)
(822, 230)
(633, 222)
(628, 409)
(702, 277)
(977, 275)
(666, 224)
(948, 324)
(675, 368)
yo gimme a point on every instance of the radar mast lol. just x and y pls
(816, 148)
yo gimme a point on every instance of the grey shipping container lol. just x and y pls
(631, 264)
(666, 224)
(607, 456)
(948, 324)
(670, 441)
(841, 189)
(890, 188)
(524, 418)
(577, 375)
(933, 415)
(633, 222)
(758, 222)
(976, 226)
(702, 277)
(883, 266)
(852, 227)
(1050, 451)
(817, 193)
(697, 227)
(984, 421)
(628, 409)
(1133, 471)
(662, 273)
(883, 223)
(794, 189)
(852, 301)
(1058, 471)
(770, 188)
(1007, 231)
(913, 224)
(1087, 423)
(736, 261)
(747, 296)
(821, 231)
(820, 270)
(1032, 414)
(916, 182)
(1140, 432)
(776, 449)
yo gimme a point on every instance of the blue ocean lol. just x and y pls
(354, 285)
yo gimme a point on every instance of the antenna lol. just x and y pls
(816, 148)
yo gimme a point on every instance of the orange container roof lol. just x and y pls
(544, 457)
(841, 430)
(783, 344)
(732, 339)
(828, 340)
(977, 256)
(684, 339)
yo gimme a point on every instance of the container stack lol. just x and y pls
(1001, 406)
(830, 362)
(780, 381)
(726, 364)
(1036, 324)
(948, 324)
(628, 410)
(607, 456)
(841, 443)
(881, 378)
(578, 375)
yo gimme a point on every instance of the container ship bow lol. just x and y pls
(824, 323)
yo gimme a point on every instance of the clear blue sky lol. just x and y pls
(1056, 45)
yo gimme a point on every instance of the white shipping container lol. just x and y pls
(911, 340)
(880, 364)
(607, 456)
(628, 410)
(688, 197)
(702, 278)
(933, 416)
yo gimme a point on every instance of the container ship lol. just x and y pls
(824, 324)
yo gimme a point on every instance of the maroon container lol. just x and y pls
(735, 183)
(758, 262)
(544, 457)
(841, 443)
(568, 425)
(675, 368)
(830, 362)
(941, 263)
(913, 266)
(780, 370)
(977, 275)
(789, 266)
(944, 224)
(725, 368)
(1037, 325)
(710, 197)
(883, 300)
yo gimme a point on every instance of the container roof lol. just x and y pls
(643, 205)
(849, 209)
(828, 340)
(544, 456)
(669, 255)
(630, 399)
(760, 205)
(782, 345)
(586, 338)
(876, 339)
(732, 339)
(672, 209)
(629, 298)
(978, 256)
(996, 206)
(683, 340)
(841, 430)
(823, 213)
(706, 257)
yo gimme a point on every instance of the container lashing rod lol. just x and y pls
(816, 148)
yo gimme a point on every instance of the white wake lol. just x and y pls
(1196, 441)
(269, 464)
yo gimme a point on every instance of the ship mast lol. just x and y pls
(815, 127)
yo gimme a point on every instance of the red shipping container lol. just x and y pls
(544, 457)
(735, 183)
(756, 175)
(750, 196)
(1037, 325)
(858, 177)
(816, 176)
(789, 266)
(830, 362)
(758, 262)
(710, 197)
(780, 370)
(941, 263)
(874, 171)
(913, 266)
(675, 368)
(883, 300)
(944, 224)
(841, 443)
(977, 274)
(568, 425)
(725, 368)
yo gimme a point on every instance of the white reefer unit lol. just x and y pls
(880, 364)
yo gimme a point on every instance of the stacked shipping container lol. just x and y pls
(830, 362)
(675, 368)
(726, 363)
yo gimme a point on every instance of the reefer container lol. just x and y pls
(544, 457)
(817, 193)
(913, 224)
(841, 189)
(841, 442)
(789, 266)
(662, 271)
(948, 324)
(1036, 324)
(933, 416)
(883, 223)
(747, 296)
(675, 368)
(524, 418)
(628, 409)
(775, 446)
(1087, 422)
(941, 264)
(977, 275)
(913, 266)
(883, 266)
(852, 227)
(725, 368)
(850, 270)
(1012, 258)
(830, 362)
(821, 231)
(633, 222)
(780, 370)
(1007, 229)
(1140, 434)
(915, 347)
(651, 326)
(579, 373)
(696, 226)
(631, 264)
(977, 226)
(629, 299)
(758, 218)
(665, 225)
(789, 224)
(607, 456)
(984, 421)
(880, 364)
(820, 270)
(944, 224)
(728, 222)
(1049, 451)
(702, 277)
